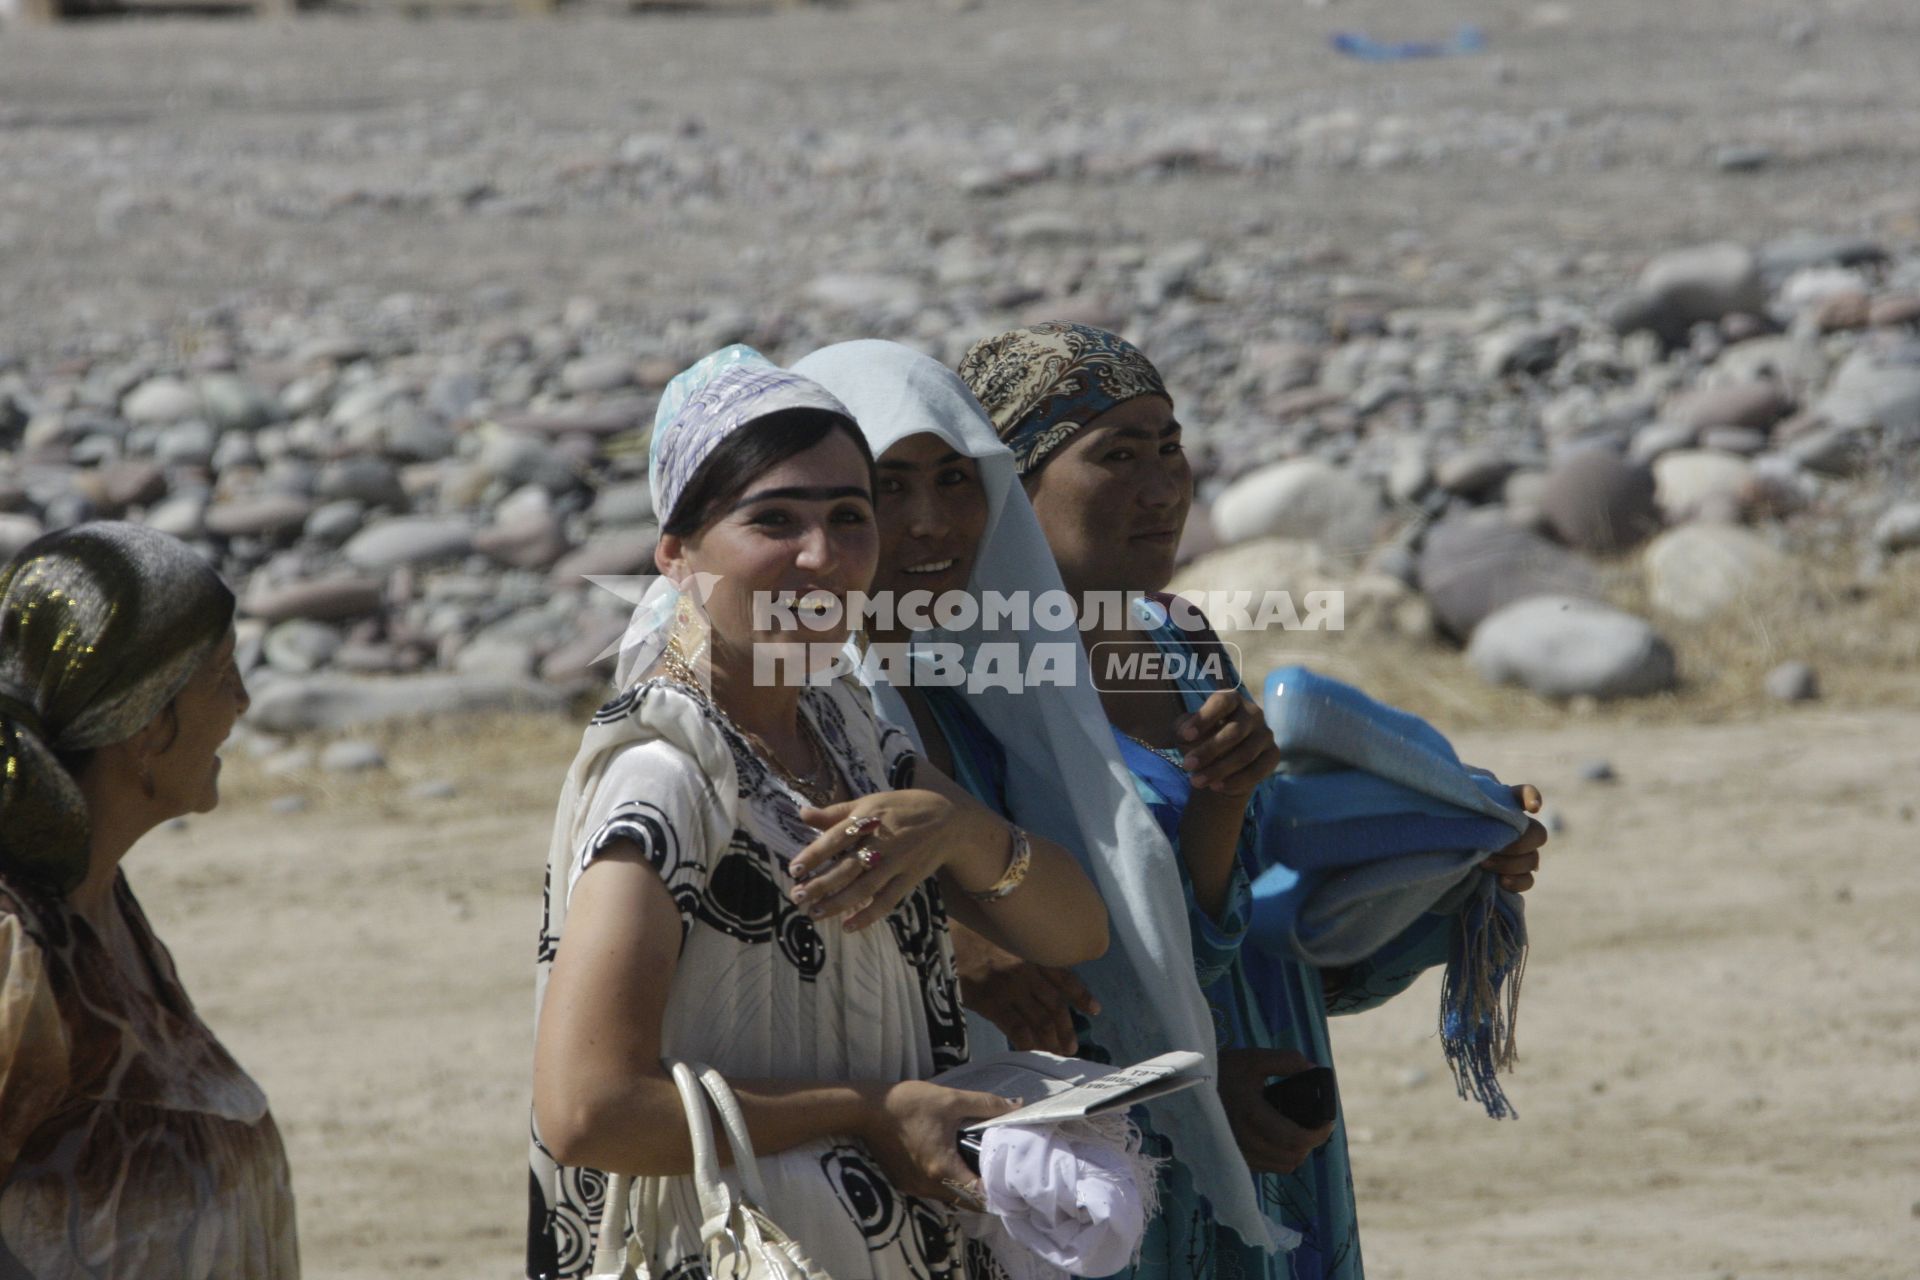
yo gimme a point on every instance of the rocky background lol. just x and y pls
(1556, 357)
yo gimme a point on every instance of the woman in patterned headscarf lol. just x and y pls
(1092, 428)
(695, 910)
(131, 1144)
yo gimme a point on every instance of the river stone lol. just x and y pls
(181, 516)
(1657, 439)
(1692, 483)
(299, 646)
(1876, 388)
(332, 523)
(1473, 474)
(1471, 567)
(369, 480)
(1566, 647)
(1793, 681)
(268, 515)
(579, 658)
(629, 503)
(299, 704)
(159, 401)
(1752, 404)
(16, 531)
(234, 404)
(408, 540)
(1899, 529)
(350, 756)
(1300, 498)
(865, 292)
(1598, 502)
(186, 444)
(1681, 288)
(1699, 570)
(521, 460)
(323, 601)
(624, 554)
(132, 484)
(593, 375)
(529, 541)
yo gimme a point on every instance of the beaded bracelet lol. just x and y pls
(1016, 873)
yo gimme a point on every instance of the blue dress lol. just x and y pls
(1256, 1001)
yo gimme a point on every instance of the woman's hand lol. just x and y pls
(1229, 748)
(875, 850)
(1032, 1004)
(1516, 863)
(913, 1130)
(1270, 1142)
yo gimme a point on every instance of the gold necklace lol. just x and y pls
(810, 786)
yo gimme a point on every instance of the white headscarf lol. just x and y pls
(1065, 776)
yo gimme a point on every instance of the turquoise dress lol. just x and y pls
(1256, 1001)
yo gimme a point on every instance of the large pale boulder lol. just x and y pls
(1694, 483)
(1563, 647)
(1699, 570)
(1300, 498)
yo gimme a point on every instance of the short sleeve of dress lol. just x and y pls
(34, 1058)
(655, 796)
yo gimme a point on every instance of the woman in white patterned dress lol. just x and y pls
(755, 874)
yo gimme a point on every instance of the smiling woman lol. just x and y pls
(131, 1144)
(724, 847)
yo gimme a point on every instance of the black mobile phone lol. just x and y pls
(1308, 1098)
(970, 1149)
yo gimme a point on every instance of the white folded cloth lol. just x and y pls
(1077, 1196)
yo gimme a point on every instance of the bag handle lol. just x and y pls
(745, 1163)
(610, 1253)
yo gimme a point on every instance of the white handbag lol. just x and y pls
(738, 1238)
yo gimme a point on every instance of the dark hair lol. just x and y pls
(748, 454)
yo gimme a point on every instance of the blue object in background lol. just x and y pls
(1468, 39)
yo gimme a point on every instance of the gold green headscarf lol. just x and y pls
(101, 626)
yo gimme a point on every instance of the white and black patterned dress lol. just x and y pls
(759, 991)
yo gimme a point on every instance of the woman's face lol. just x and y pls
(803, 526)
(932, 512)
(186, 772)
(1113, 500)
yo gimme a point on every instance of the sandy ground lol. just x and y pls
(1719, 1030)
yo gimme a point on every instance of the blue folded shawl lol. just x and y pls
(1378, 822)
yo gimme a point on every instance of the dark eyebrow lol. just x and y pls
(805, 494)
(902, 465)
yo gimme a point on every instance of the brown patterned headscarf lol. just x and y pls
(1043, 383)
(101, 626)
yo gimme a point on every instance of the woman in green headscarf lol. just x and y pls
(131, 1143)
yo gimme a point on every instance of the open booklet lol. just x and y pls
(1057, 1089)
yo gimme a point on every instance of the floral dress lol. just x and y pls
(131, 1143)
(759, 991)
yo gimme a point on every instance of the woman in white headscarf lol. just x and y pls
(953, 517)
(695, 909)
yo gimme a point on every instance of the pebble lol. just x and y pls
(269, 515)
(1598, 771)
(432, 789)
(160, 401)
(352, 756)
(300, 646)
(408, 540)
(287, 806)
(1684, 287)
(1898, 529)
(1691, 484)
(327, 702)
(1793, 681)
(324, 600)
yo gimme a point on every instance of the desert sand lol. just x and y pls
(1719, 1028)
